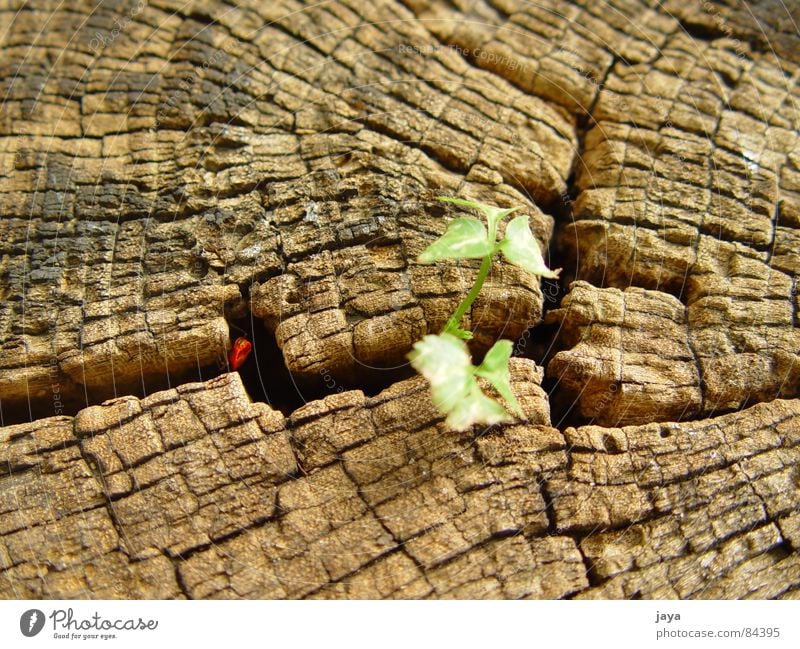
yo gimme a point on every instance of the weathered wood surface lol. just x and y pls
(197, 492)
(143, 200)
(191, 163)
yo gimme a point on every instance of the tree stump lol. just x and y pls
(172, 170)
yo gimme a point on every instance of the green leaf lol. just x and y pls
(445, 362)
(476, 408)
(465, 238)
(493, 214)
(495, 370)
(458, 332)
(521, 249)
(463, 203)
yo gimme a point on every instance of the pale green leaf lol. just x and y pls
(445, 362)
(476, 408)
(465, 238)
(521, 249)
(493, 214)
(458, 332)
(495, 370)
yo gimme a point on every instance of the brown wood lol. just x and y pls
(197, 492)
(165, 171)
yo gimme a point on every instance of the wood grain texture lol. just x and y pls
(167, 168)
(146, 200)
(687, 186)
(198, 492)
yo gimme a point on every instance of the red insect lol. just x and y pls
(239, 352)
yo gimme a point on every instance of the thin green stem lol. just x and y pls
(455, 319)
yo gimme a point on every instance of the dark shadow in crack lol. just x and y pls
(267, 379)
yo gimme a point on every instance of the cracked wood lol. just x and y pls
(283, 158)
(198, 492)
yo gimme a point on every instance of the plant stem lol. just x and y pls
(455, 319)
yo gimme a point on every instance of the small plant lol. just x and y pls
(444, 359)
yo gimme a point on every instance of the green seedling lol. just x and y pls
(444, 359)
